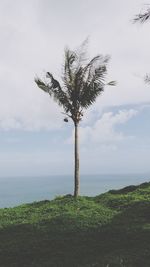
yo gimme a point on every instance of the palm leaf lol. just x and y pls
(112, 83)
(147, 78)
(41, 85)
(142, 17)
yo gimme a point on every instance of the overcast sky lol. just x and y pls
(115, 132)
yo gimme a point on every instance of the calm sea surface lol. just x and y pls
(15, 191)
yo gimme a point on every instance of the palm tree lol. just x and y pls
(82, 83)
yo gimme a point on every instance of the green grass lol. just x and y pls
(109, 230)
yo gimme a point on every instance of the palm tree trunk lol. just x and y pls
(76, 167)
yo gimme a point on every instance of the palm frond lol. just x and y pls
(97, 60)
(41, 85)
(93, 86)
(81, 53)
(52, 86)
(142, 17)
(147, 78)
(68, 68)
(112, 83)
(95, 80)
(70, 58)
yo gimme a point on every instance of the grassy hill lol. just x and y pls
(109, 230)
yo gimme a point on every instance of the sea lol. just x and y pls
(15, 191)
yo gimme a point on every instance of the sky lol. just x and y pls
(115, 131)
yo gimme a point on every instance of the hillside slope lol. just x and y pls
(112, 229)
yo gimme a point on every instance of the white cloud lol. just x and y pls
(104, 131)
(26, 114)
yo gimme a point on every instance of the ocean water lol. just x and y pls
(19, 190)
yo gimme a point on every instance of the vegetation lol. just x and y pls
(82, 83)
(109, 230)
